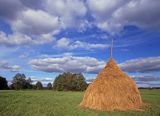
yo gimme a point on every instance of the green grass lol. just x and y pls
(51, 103)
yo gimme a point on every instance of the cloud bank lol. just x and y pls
(65, 43)
(142, 65)
(93, 65)
(68, 64)
(34, 19)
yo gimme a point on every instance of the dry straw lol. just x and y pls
(112, 90)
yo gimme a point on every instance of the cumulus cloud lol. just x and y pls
(35, 19)
(71, 12)
(33, 4)
(30, 25)
(93, 65)
(108, 15)
(9, 9)
(142, 13)
(141, 81)
(68, 64)
(149, 64)
(4, 65)
(148, 78)
(65, 43)
(18, 39)
(34, 22)
(103, 9)
(115, 14)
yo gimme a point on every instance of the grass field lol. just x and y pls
(51, 103)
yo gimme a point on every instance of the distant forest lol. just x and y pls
(63, 82)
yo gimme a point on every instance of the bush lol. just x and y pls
(70, 82)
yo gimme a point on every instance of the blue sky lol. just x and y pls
(44, 38)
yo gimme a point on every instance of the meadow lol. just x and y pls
(53, 103)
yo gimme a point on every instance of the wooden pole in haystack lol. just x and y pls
(111, 48)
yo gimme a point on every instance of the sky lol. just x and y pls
(43, 38)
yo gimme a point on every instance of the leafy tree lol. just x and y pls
(34, 87)
(70, 82)
(81, 84)
(3, 83)
(28, 83)
(39, 85)
(11, 86)
(49, 86)
(20, 82)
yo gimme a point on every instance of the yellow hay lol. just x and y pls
(112, 90)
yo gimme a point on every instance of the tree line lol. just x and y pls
(63, 82)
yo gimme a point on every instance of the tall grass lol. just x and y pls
(51, 103)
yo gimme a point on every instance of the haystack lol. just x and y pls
(112, 90)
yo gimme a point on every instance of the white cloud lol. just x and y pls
(92, 65)
(56, 55)
(31, 27)
(4, 65)
(104, 8)
(65, 43)
(44, 38)
(42, 17)
(149, 64)
(114, 15)
(68, 64)
(142, 13)
(146, 78)
(18, 39)
(85, 45)
(14, 39)
(9, 9)
(70, 12)
(35, 22)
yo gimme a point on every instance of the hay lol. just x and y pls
(112, 90)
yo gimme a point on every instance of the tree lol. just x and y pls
(39, 85)
(70, 82)
(20, 82)
(49, 86)
(3, 83)
(81, 84)
(11, 86)
(28, 83)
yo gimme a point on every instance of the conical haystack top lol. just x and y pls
(111, 70)
(112, 90)
(112, 65)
